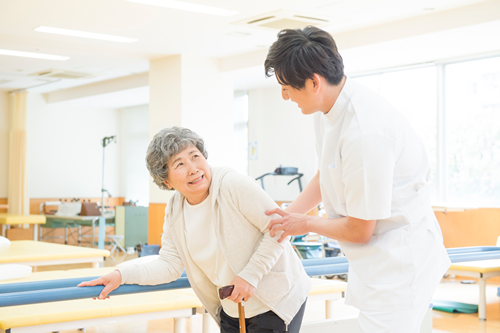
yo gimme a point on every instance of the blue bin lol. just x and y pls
(309, 250)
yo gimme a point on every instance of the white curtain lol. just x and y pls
(18, 155)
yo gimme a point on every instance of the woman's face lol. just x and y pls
(189, 173)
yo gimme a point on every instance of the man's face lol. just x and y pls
(305, 98)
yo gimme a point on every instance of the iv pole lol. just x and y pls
(105, 142)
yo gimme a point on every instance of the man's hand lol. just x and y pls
(111, 281)
(242, 290)
(290, 223)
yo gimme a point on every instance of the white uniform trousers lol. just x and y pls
(399, 321)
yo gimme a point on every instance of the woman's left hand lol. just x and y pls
(290, 223)
(242, 290)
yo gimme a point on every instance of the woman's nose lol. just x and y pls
(192, 168)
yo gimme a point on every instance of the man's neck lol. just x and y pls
(331, 94)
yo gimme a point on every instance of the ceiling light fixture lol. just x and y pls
(191, 7)
(33, 55)
(85, 34)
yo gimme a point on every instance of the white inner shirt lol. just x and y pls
(204, 249)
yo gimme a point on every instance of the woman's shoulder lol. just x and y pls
(233, 179)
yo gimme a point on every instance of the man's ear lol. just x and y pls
(316, 81)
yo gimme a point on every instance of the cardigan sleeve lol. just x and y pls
(252, 202)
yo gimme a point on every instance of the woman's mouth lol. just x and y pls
(197, 180)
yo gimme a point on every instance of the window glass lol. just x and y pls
(414, 93)
(473, 131)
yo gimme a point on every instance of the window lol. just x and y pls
(472, 99)
(414, 93)
(467, 139)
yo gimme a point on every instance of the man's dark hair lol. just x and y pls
(298, 54)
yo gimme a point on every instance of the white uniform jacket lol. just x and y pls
(374, 167)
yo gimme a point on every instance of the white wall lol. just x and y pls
(65, 150)
(284, 136)
(134, 141)
(207, 98)
(4, 144)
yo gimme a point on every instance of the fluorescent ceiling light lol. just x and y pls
(84, 34)
(191, 7)
(33, 55)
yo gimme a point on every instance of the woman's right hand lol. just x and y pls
(111, 281)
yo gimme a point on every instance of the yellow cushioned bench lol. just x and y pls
(33, 253)
(178, 303)
(7, 219)
(482, 270)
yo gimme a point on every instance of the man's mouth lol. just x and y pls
(197, 180)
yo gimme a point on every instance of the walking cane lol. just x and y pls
(224, 293)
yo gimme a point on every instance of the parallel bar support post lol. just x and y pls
(329, 308)
(482, 298)
(180, 325)
(207, 322)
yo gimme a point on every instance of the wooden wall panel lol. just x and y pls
(155, 223)
(474, 227)
(3, 201)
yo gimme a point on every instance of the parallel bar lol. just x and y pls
(43, 291)
(49, 284)
(65, 294)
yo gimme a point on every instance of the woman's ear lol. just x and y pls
(167, 184)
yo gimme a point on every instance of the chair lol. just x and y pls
(115, 243)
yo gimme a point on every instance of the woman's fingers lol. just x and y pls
(104, 293)
(91, 283)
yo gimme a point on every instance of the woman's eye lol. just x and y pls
(195, 156)
(178, 165)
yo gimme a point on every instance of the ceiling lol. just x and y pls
(162, 32)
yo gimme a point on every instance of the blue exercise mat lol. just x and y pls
(453, 307)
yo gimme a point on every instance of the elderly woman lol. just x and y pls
(216, 229)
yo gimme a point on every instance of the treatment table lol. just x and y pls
(7, 219)
(481, 270)
(33, 253)
(57, 221)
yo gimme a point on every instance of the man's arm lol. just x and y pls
(347, 229)
(308, 199)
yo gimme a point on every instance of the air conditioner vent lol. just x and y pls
(62, 74)
(261, 19)
(311, 18)
(285, 19)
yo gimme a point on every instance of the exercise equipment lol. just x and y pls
(283, 171)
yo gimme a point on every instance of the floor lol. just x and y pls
(449, 289)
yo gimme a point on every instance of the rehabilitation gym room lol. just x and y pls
(205, 166)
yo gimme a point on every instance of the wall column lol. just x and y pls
(189, 91)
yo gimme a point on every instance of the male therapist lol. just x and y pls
(373, 181)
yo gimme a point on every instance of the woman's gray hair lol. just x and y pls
(165, 144)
